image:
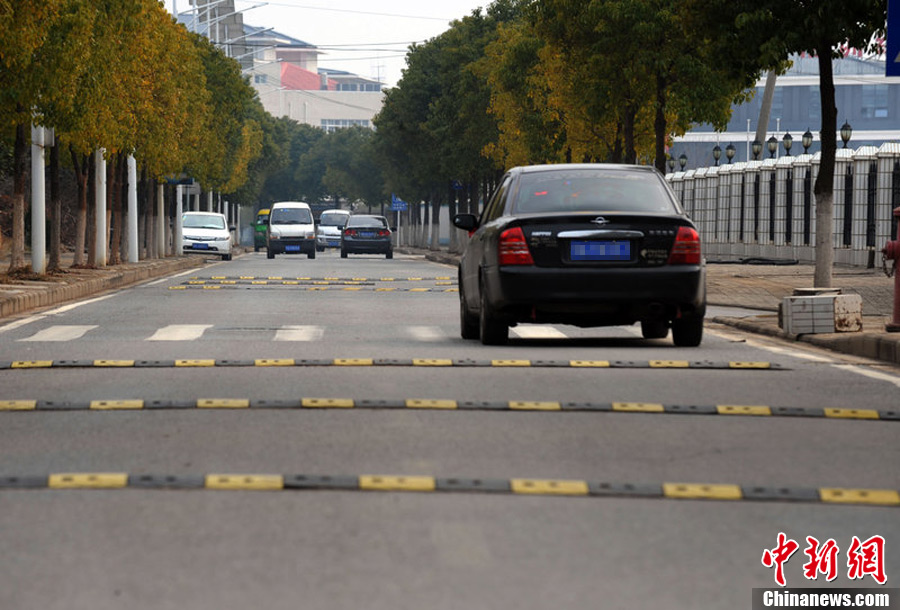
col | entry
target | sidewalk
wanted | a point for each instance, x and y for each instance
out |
(756, 287)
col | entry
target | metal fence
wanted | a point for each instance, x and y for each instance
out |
(767, 209)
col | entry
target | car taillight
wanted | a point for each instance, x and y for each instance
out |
(350, 232)
(686, 250)
(513, 249)
(383, 233)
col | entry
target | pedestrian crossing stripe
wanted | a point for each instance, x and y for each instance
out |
(642, 408)
(304, 335)
(418, 483)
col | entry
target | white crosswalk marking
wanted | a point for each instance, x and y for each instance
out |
(537, 332)
(179, 332)
(299, 333)
(426, 333)
(60, 333)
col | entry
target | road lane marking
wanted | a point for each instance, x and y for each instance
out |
(852, 368)
(537, 332)
(426, 333)
(179, 332)
(299, 333)
(60, 332)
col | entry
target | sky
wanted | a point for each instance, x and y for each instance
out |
(366, 37)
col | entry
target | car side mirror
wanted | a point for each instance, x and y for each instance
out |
(466, 222)
(232, 228)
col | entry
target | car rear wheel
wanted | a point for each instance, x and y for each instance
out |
(343, 253)
(468, 324)
(311, 254)
(493, 331)
(654, 329)
(269, 253)
(390, 254)
(687, 331)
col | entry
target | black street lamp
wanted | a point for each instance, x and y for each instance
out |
(671, 163)
(717, 154)
(846, 132)
(772, 143)
(788, 141)
(682, 160)
(729, 152)
(757, 149)
(807, 141)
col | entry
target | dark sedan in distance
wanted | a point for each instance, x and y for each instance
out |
(582, 244)
(366, 234)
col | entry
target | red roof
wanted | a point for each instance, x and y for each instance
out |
(295, 77)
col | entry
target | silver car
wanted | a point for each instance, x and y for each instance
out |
(328, 231)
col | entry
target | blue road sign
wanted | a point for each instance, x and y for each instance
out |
(892, 63)
(397, 204)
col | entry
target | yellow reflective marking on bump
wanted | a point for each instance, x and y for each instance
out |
(223, 403)
(114, 363)
(353, 362)
(275, 277)
(596, 364)
(305, 279)
(228, 282)
(882, 497)
(418, 290)
(360, 279)
(510, 362)
(387, 279)
(443, 277)
(638, 407)
(321, 283)
(385, 289)
(251, 482)
(32, 364)
(116, 405)
(18, 405)
(549, 487)
(248, 277)
(749, 365)
(743, 410)
(331, 279)
(416, 403)
(195, 363)
(414, 279)
(452, 290)
(260, 283)
(218, 277)
(290, 283)
(352, 288)
(328, 403)
(177, 287)
(852, 413)
(669, 364)
(196, 282)
(275, 362)
(432, 362)
(212, 288)
(523, 405)
(698, 491)
(396, 483)
(91, 480)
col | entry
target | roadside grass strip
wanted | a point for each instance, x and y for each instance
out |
(444, 404)
(671, 365)
(384, 483)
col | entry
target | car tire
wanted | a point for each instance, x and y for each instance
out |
(311, 254)
(492, 330)
(256, 248)
(343, 253)
(654, 329)
(390, 254)
(320, 248)
(687, 331)
(226, 257)
(269, 253)
(468, 323)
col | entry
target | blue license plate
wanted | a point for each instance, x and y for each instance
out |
(600, 250)
(292, 248)
(367, 234)
(200, 246)
(334, 242)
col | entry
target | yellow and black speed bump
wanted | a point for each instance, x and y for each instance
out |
(351, 280)
(716, 492)
(678, 365)
(424, 403)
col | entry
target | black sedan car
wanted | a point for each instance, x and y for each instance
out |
(366, 234)
(587, 245)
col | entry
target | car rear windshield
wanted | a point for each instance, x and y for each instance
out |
(196, 221)
(367, 221)
(290, 216)
(333, 220)
(592, 190)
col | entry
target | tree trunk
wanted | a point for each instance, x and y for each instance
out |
(55, 209)
(81, 176)
(824, 188)
(762, 125)
(436, 200)
(659, 124)
(17, 253)
(630, 152)
(454, 237)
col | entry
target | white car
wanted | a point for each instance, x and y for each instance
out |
(291, 229)
(328, 232)
(205, 233)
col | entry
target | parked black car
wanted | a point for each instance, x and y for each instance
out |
(587, 245)
(366, 234)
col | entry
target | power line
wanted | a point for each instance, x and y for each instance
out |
(344, 10)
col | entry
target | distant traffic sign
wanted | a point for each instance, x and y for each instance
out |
(397, 204)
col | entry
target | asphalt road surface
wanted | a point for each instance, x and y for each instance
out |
(297, 433)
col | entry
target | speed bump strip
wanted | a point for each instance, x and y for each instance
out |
(444, 362)
(638, 407)
(96, 480)
(522, 405)
(18, 405)
(852, 413)
(327, 403)
(418, 403)
(116, 405)
(418, 483)
(694, 491)
(743, 410)
(223, 403)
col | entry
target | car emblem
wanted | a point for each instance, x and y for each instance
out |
(600, 221)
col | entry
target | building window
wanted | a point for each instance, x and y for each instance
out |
(875, 101)
(331, 125)
(815, 104)
(260, 79)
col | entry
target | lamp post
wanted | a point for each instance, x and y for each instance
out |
(682, 161)
(729, 152)
(846, 132)
(807, 141)
(757, 149)
(717, 154)
(788, 141)
(671, 163)
(772, 144)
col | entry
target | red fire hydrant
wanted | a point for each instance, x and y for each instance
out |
(891, 251)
